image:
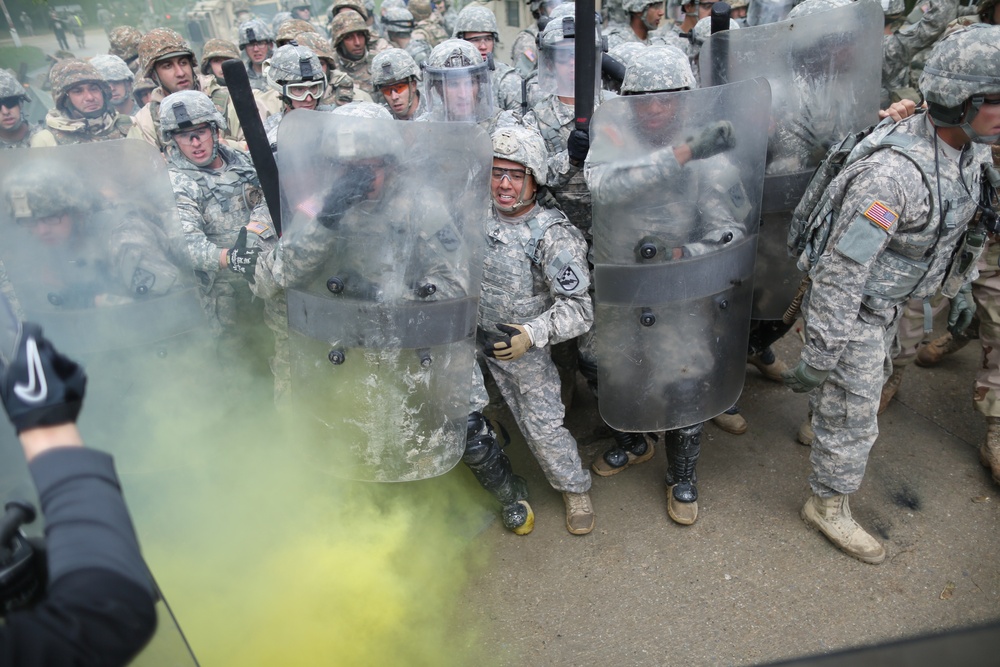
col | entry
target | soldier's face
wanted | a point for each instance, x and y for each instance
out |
(216, 65)
(705, 8)
(303, 13)
(257, 51)
(510, 183)
(176, 73)
(987, 121)
(198, 145)
(355, 44)
(10, 112)
(655, 112)
(52, 230)
(86, 98)
(120, 91)
(400, 96)
(483, 41)
(460, 97)
(654, 14)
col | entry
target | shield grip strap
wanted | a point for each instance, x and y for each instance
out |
(407, 325)
(672, 282)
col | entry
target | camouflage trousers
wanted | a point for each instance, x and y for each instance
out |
(844, 410)
(912, 325)
(986, 292)
(530, 387)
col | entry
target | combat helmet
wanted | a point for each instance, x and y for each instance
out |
(457, 83)
(140, 87)
(254, 30)
(894, 10)
(11, 87)
(391, 4)
(369, 133)
(124, 41)
(639, 7)
(278, 19)
(524, 146)
(160, 43)
(294, 72)
(703, 30)
(67, 73)
(476, 18)
(319, 45)
(45, 189)
(421, 9)
(814, 6)
(217, 48)
(343, 24)
(112, 68)
(393, 65)
(290, 28)
(186, 109)
(398, 21)
(556, 45)
(356, 5)
(658, 69)
(961, 70)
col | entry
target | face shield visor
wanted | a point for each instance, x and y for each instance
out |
(557, 68)
(463, 94)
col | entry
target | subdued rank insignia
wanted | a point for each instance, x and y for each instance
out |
(447, 238)
(881, 216)
(142, 281)
(568, 279)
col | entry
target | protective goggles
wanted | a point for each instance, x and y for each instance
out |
(300, 91)
(398, 88)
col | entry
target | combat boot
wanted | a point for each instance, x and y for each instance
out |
(832, 517)
(493, 471)
(989, 453)
(579, 513)
(890, 388)
(731, 421)
(683, 450)
(630, 449)
(769, 366)
(806, 435)
(932, 353)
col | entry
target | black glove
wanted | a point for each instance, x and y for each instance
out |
(578, 145)
(241, 259)
(716, 138)
(352, 187)
(512, 345)
(39, 386)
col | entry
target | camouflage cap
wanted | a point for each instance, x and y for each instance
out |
(421, 9)
(454, 53)
(124, 41)
(186, 109)
(46, 189)
(319, 45)
(254, 30)
(370, 133)
(658, 68)
(964, 64)
(292, 64)
(290, 28)
(112, 68)
(343, 24)
(67, 73)
(703, 29)
(398, 20)
(524, 146)
(217, 48)
(814, 6)
(476, 18)
(160, 43)
(10, 86)
(393, 65)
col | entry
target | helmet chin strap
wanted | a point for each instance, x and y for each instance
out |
(974, 105)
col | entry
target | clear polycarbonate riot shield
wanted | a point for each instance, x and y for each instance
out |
(674, 247)
(762, 12)
(384, 288)
(825, 72)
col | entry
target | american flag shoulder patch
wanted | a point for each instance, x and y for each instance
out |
(881, 215)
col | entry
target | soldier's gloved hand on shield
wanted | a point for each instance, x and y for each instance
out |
(963, 308)
(578, 145)
(38, 386)
(716, 138)
(352, 187)
(241, 259)
(803, 378)
(515, 342)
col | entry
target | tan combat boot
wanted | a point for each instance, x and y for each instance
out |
(806, 434)
(989, 453)
(890, 388)
(934, 351)
(769, 366)
(579, 513)
(731, 421)
(832, 517)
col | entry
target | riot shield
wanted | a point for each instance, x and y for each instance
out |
(825, 73)
(383, 304)
(674, 249)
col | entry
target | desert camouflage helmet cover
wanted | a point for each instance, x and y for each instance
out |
(10, 86)
(319, 45)
(124, 41)
(476, 18)
(421, 9)
(524, 146)
(393, 65)
(67, 73)
(355, 5)
(292, 64)
(185, 109)
(656, 69)
(290, 28)
(112, 68)
(217, 48)
(343, 24)
(160, 43)
(44, 190)
(254, 30)
(398, 20)
(813, 6)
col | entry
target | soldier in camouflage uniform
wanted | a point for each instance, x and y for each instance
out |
(83, 111)
(478, 25)
(535, 294)
(217, 190)
(644, 18)
(15, 130)
(257, 43)
(302, 11)
(349, 36)
(297, 78)
(398, 24)
(339, 86)
(376, 42)
(429, 28)
(902, 43)
(457, 85)
(124, 42)
(397, 79)
(120, 78)
(142, 90)
(524, 51)
(677, 35)
(290, 28)
(897, 217)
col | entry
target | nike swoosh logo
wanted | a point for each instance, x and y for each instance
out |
(37, 389)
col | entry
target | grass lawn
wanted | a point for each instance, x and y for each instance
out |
(11, 57)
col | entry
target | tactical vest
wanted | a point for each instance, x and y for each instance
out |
(574, 195)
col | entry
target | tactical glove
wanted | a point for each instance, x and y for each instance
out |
(962, 310)
(578, 145)
(515, 342)
(352, 187)
(38, 386)
(241, 259)
(714, 139)
(803, 378)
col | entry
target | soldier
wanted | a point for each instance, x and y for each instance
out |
(644, 18)
(142, 90)
(398, 24)
(339, 86)
(397, 79)
(376, 43)
(296, 77)
(677, 34)
(738, 11)
(429, 28)
(524, 52)
(302, 11)
(124, 41)
(15, 130)
(83, 111)
(457, 84)
(478, 25)
(256, 40)
(535, 293)
(290, 28)
(349, 35)
(902, 43)
(897, 216)
(120, 78)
